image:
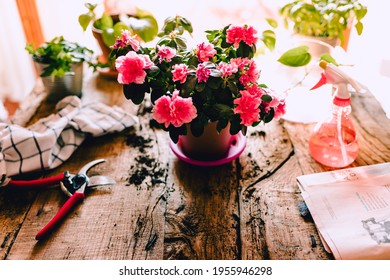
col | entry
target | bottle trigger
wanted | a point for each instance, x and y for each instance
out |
(321, 82)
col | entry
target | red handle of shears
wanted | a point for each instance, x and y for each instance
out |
(64, 210)
(44, 182)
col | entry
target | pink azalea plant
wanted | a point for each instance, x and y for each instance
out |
(215, 81)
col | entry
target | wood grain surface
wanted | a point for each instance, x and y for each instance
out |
(163, 208)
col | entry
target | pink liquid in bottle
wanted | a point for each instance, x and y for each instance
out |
(334, 142)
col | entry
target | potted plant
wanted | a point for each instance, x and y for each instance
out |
(326, 20)
(107, 27)
(60, 63)
(215, 84)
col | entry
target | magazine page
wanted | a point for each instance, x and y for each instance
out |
(351, 209)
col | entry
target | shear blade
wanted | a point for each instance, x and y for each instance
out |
(99, 180)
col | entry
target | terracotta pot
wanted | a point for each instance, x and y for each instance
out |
(97, 33)
(211, 145)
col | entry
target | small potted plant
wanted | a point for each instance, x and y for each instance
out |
(60, 63)
(107, 27)
(326, 20)
(212, 87)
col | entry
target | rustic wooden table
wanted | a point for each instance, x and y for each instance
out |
(162, 208)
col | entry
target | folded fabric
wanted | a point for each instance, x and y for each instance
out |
(52, 140)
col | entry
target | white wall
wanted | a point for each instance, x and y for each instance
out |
(58, 17)
(16, 70)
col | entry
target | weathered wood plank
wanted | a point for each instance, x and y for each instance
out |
(271, 224)
(202, 212)
(123, 221)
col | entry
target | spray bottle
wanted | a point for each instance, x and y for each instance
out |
(334, 141)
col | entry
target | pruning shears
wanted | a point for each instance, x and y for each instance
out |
(73, 185)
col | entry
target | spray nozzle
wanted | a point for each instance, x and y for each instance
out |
(333, 75)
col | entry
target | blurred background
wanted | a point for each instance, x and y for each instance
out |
(370, 52)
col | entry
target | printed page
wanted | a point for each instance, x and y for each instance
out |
(352, 212)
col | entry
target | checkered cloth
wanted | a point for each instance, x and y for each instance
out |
(52, 140)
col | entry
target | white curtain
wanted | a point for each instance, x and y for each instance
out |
(17, 75)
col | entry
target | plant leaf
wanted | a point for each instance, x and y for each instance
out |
(118, 27)
(328, 58)
(296, 57)
(85, 20)
(269, 39)
(146, 27)
(273, 23)
(108, 36)
(359, 27)
(135, 92)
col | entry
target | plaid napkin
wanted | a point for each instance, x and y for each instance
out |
(52, 140)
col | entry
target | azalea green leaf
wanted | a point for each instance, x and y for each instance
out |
(221, 124)
(273, 23)
(328, 58)
(197, 127)
(200, 87)
(213, 82)
(269, 116)
(266, 98)
(189, 85)
(175, 132)
(233, 87)
(180, 41)
(135, 92)
(235, 125)
(296, 57)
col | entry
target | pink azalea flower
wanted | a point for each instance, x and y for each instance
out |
(240, 62)
(255, 90)
(179, 73)
(202, 73)
(165, 53)
(247, 108)
(250, 36)
(277, 103)
(280, 110)
(227, 69)
(234, 35)
(250, 75)
(205, 51)
(127, 39)
(131, 68)
(174, 110)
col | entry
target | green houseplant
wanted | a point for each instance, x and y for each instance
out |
(107, 27)
(60, 63)
(324, 18)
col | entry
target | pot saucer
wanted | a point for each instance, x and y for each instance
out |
(237, 146)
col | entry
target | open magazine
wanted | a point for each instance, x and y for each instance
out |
(351, 209)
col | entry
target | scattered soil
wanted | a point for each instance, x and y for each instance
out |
(146, 168)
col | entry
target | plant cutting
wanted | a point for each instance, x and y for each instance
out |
(60, 63)
(58, 55)
(324, 18)
(107, 27)
(214, 82)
